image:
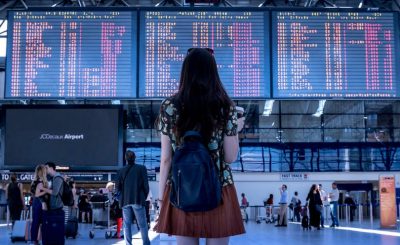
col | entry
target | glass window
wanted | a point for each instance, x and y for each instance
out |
(344, 107)
(344, 135)
(269, 135)
(148, 156)
(301, 135)
(300, 121)
(344, 121)
(299, 107)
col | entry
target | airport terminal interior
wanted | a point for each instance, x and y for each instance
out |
(82, 81)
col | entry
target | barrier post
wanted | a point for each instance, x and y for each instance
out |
(371, 214)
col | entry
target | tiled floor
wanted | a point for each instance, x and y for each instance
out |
(258, 234)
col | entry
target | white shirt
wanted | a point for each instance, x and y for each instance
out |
(324, 197)
(334, 195)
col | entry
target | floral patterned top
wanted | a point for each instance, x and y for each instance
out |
(166, 125)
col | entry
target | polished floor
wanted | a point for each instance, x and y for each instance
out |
(364, 233)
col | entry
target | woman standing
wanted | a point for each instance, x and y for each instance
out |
(315, 206)
(15, 199)
(200, 104)
(40, 200)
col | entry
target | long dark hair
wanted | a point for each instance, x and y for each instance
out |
(311, 192)
(202, 101)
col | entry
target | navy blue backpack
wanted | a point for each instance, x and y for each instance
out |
(195, 180)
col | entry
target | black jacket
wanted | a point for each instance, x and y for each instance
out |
(135, 188)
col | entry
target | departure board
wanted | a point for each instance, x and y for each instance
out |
(239, 40)
(335, 55)
(71, 54)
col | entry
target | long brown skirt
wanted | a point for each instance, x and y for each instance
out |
(223, 221)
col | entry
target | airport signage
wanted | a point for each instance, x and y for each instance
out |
(387, 196)
(295, 176)
(23, 177)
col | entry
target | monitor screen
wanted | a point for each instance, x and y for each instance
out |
(71, 54)
(80, 138)
(335, 54)
(239, 39)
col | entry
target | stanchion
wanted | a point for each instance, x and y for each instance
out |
(360, 212)
(8, 218)
(371, 214)
(347, 213)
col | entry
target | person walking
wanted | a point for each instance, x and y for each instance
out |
(133, 186)
(315, 206)
(15, 199)
(349, 202)
(283, 206)
(200, 104)
(296, 204)
(334, 198)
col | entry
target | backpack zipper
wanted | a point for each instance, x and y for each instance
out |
(179, 186)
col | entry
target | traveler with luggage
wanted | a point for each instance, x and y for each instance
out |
(15, 199)
(53, 226)
(295, 204)
(201, 119)
(315, 206)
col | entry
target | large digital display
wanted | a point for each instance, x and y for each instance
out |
(335, 54)
(239, 39)
(80, 138)
(71, 54)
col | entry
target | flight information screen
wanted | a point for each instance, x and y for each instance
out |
(239, 40)
(335, 54)
(71, 54)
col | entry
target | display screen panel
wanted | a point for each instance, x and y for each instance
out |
(80, 138)
(71, 54)
(239, 39)
(335, 54)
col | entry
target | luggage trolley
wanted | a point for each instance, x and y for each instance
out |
(269, 214)
(243, 211)
(101, 218)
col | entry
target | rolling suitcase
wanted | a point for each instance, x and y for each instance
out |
(20, 227)
(18, 230)
(71, 229)
(53, 228)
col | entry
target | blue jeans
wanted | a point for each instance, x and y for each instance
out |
(322, 215)
(334, 213)
(140, 214)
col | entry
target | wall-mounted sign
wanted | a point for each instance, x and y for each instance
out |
(85, 177)
(22, 177)
(295, 176)
(387, 196)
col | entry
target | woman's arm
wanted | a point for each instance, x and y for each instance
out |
(39, 190)
(165, 164)
(46, 190)
(231, 143)
(22, 194)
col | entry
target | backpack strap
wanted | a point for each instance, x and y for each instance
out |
(192, 133)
